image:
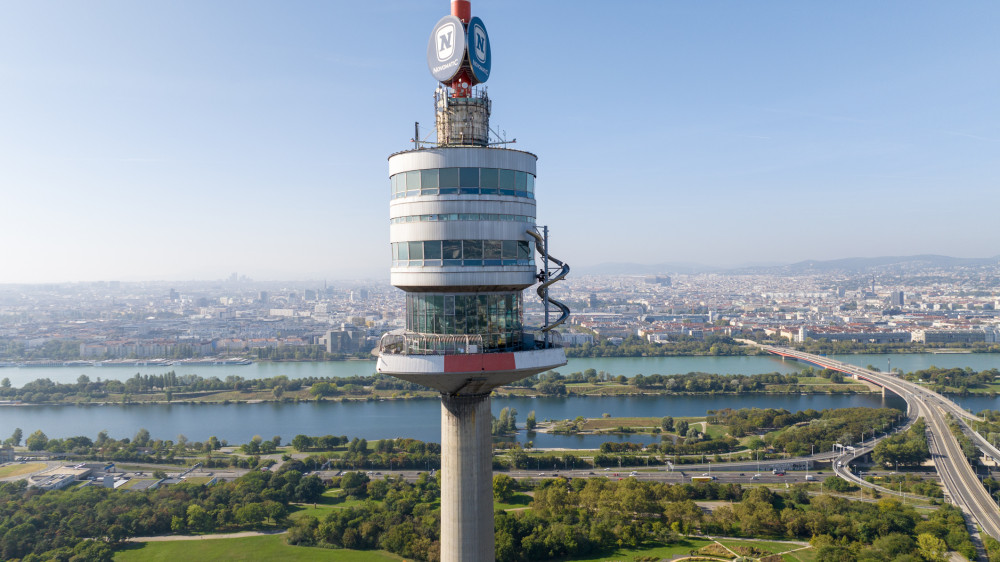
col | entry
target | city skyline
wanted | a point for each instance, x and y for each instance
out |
(189, 141)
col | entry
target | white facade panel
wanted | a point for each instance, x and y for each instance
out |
(460, 278)
(462, 157)
(442, 204)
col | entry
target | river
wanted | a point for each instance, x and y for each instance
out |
(628, 366)
(420, 419)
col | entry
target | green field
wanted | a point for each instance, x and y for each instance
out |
(657, 552)
(516, 502)
(245, 548)
(772, 547)
(19, 469)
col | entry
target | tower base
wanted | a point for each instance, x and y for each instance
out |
(466, 479)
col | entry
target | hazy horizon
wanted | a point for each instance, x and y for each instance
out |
(191, 140)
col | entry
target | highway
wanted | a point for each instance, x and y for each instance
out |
(957, 477)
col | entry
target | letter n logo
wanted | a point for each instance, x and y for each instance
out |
(446, 41)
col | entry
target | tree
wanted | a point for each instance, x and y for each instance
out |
(681, 427)
(755, 443)
(15, 438)
(529, 422)
(503, 487)
(667, 423)
(301, 442)
(5, 382)
(141, 438)
(274, 510)
(278, 391)
(198, 519)
(251, 513)
(37, 441)
(931, 548)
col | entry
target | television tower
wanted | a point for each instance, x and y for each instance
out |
(463, 236)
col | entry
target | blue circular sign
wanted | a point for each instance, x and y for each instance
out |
(446, 48)
(480, 59)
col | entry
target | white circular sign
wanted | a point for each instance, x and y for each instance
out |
(446, 48)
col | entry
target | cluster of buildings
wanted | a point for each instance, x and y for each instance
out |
(235, 318)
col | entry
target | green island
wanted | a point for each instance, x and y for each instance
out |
(194, 389)
(722, 436)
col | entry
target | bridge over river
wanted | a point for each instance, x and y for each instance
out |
(960, 482)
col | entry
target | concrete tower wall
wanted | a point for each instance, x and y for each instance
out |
(466, 479)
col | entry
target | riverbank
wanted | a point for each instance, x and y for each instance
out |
(805, 385)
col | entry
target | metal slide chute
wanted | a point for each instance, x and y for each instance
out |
(547, 277)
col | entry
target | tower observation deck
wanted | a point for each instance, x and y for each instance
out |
(464, 239)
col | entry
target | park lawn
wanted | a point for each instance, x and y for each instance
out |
(716, 431)
(20, 469)
(772, 547)
(320, 511)
(804, 555)
(612, 423)
(516, 502)
(271, 547)
(682, 547)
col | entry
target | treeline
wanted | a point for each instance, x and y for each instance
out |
(63, 350)
(589, 517)
(634, 346)
(968, 448)
(955, 380)
(401, 453)
(403, 520)
(301, 353)
(141, 448)
(554, 383)
(86, 524)
(843, 425)
(175, 386)
(751, 421)
(908, 448)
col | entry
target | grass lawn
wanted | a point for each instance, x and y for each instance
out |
(612, 423)
(518, 501)
(19, 469)
(669, 551)
(245, 548)
(716, 431)
(772, 547)
(805, 555)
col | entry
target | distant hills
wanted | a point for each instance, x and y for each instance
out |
(847, 265)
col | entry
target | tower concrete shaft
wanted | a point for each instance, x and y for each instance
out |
(466, 479)
(463, 240)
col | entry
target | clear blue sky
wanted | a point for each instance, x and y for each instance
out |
(188, 140)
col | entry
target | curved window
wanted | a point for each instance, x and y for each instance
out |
(497, 317)
(463, 181)
(473, 253)
(461, 217)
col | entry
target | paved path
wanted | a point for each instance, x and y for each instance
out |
(167, 538)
